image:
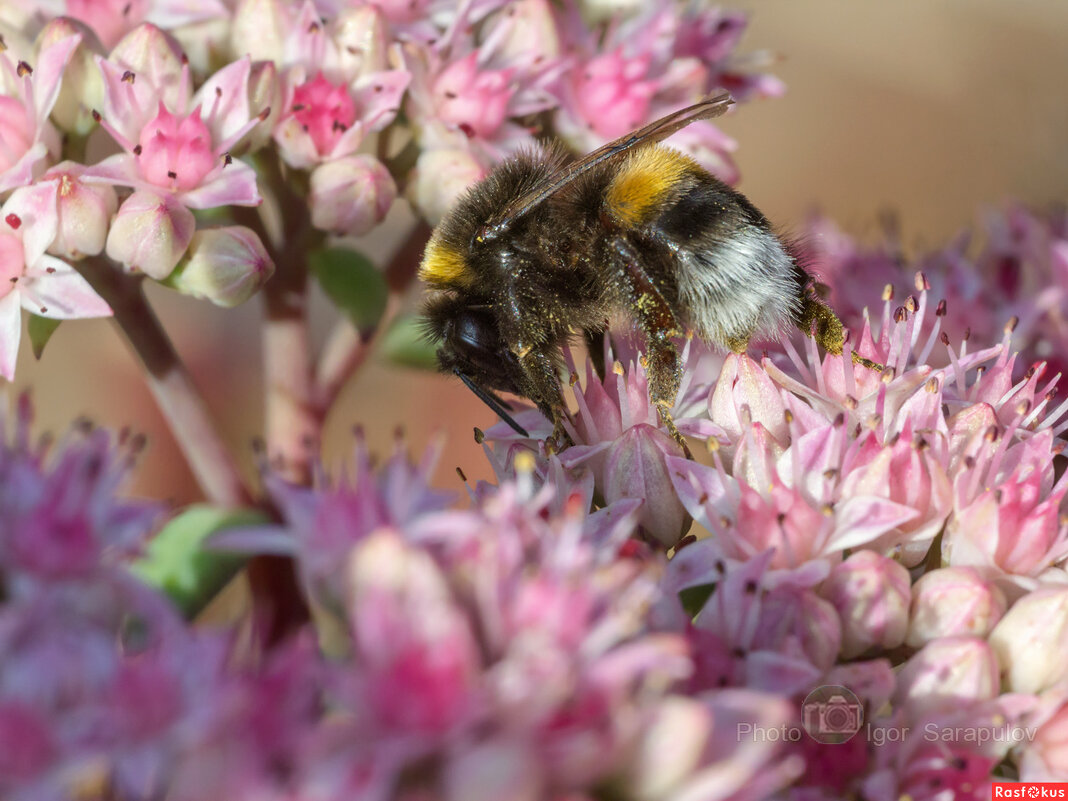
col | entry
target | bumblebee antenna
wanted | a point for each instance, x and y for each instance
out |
(494, 403)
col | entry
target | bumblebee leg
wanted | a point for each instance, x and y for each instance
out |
(737, 345)
(829, 333)
(658, 323)
(541, 383)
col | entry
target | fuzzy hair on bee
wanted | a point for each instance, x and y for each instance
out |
(542, 249)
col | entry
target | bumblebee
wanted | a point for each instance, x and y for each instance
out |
(541, 249)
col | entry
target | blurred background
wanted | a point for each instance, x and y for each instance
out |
(932, 109)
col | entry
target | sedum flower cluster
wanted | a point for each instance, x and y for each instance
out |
(857, 589)
(612, 621)
(197, 143)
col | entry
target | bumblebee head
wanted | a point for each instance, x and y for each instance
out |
(470, 342)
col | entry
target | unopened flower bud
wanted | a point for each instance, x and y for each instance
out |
(224, 265)
(636, 468)
(947, 673)
(350, 195)
(82, 89)
(155, 57)
(1046, 757)
(953, 601)
(671, 746)
(493, 770)
(439, 178)
(363, 41)
(150, 233)
(259, 29)
(871, 593)
(84, 212)
(1031, 641)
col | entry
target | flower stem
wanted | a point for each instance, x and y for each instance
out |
(292, 426)
(170, 383)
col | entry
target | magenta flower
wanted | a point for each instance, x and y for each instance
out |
(60, 516)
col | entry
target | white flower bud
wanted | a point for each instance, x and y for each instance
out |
(350, 196)
(84, 212)
(150, 233)
(953, 601)
(363, 41)
(1031, 641)
(223, 265)
(871, 593)
(259, 30)
(948, 673)
(439, 178)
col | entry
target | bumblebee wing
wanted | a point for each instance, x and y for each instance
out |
(653, 132)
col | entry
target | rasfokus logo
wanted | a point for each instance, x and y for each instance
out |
(1029, 790)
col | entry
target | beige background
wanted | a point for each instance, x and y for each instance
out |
(932, 109)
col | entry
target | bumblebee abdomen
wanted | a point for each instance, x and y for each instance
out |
(647, 183)
(735, 277)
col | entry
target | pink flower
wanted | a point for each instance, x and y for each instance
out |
(175, 143)
(648, 65)
(468, 93)
(27, 95)
(330, 103)
(32, 280)
(112, 19)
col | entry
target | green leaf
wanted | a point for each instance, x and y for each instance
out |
(693, 599)
(176, 563)
(406, 344)
(41, 330)
(351, 281)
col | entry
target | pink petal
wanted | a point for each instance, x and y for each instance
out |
(223, 100)
(349, 141)
(118, 169)
(295, 145)
(35, 206)
(65, 294)
(21, 174)
(379, 97)
(10, 332)
(860, 519)
(233, 185)
(127, 106)
(48, 75)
